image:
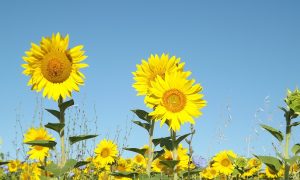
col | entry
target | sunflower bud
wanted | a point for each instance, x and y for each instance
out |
(293, 100)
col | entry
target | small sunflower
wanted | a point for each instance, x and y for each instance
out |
(37, 152)
(123, 165)
(140, 161)
(272, 174)
(106, 152)
(156, 66)
(176, 100)
(222, 162)
(53, 67)
(209, 173)
(182, 157)
(14, 165)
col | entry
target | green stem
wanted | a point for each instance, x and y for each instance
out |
(174, 152)
(150, 150)
(62, 133)
(288, 132)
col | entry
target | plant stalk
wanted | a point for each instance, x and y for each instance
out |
(150, 150)
(62, 133)
(288, 132)
(174, 152)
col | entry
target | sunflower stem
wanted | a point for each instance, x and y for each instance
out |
(62, 133)
(150, 151)
(288, 131)
(174, 152)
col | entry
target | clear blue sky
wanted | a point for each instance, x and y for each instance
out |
(244, 53)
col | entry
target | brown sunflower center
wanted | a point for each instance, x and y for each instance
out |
(56, 67)
(38, 148)
(174, 100)
(105, 152)
(225, 162)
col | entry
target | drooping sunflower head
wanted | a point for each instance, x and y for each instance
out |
(223, 163)
(33, 134)
(106, 152)
(176, 99)
(53, 67)
(156, 66)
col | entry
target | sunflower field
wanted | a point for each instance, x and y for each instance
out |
(53, 69)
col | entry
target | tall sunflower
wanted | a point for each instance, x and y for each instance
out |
(175, 99)
(156, 66)
(106, 152)
(222, 163)
(33, 134)
(53, 67)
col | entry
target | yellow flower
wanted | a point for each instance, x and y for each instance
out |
(140, 161)
(222, 163)
(106, 152)
(272, 174)
(30, 171)
(123, 165)
(182, 156)
(14, 165)
(53, 67)
(253, 166)
(294, 168)
(209, 173)
(175, 99)
(156, 66)
(33, 134)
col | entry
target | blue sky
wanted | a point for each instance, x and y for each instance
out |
(244, 53)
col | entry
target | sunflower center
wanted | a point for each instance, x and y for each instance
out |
(174, 100)
(56, 67)
(38, 148)
(225, 162)
(105, 152)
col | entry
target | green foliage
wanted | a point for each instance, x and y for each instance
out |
(65, 105)
(55, 126)
(143, 125)
(137, 150)
(125, 174)
(81, 163)
(169, 163)
(296, 149)
(164, 142)
(273, 163)
(54, 113)
(142, 115)
(293, 100)
(3, 162)
(59, 171)
(276, 133)
(43, 143)
(181, 138)
(75, 139)
(157, 154)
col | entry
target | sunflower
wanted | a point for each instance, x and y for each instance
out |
(37, 152)
(140, 160)
(53, 67)
(123, 165)
(176, 100)
(222, 163)
(253, 166)
(156, 66)
(106, 152)
(209, 173)
(14, 165)
(182, 157)
(272, 174)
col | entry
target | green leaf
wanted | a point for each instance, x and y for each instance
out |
(43, 143)
(169, 163)
(66, 104)
(55, 126)
(293, 160)
(69, 165)
(125, 174)
(157, 141)
(283, 109)
(296, 149)
(142, 114)
(273, 163)
(164, 142)
(3, 162)
(57, 171)
(54, 113)
(295, 124)
(276, 133)
(181, 138)
(192, 172)
(81, 163)
(143, 125)
(75, 139)
(137, 150)
(54, 169)
(157, 154)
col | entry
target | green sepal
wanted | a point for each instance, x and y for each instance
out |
(43, 143)
(75, 139)
(276, 133)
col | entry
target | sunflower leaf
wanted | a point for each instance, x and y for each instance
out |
(169, 163)
(143, 125)
(57, 171)
(125, 174)
(137, 150)
(157, 154)
(296, 149)
(276, 133)
(295, 124)
(142, 114)
(182, 138)
(4, 162)
(43, 143)
(66, 105)
(81, 163)
(192, 172)
(157, 141)
(70, 164)
(54, 113)
(55, 126)
(273, 163)
(75, 139)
